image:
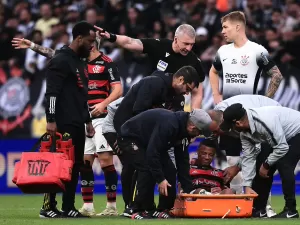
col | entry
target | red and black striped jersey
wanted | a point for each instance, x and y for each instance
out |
(207, 177)
(103, 74)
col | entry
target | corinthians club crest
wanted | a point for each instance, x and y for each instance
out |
(245, 60)
(14, 96)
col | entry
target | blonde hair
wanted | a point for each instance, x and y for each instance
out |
(236, 16)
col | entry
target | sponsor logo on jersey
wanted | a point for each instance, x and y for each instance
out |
(99, 62)
(161, 65)
(110, 71)
(264, 59)
(236, 78)
(233, 61)
(245, 60)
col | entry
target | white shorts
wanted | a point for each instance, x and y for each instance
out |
(98, 143)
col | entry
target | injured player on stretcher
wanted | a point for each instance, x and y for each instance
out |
(207, 179)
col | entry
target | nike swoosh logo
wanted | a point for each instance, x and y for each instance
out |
(224, 59)
(290, 216)
(262, 215)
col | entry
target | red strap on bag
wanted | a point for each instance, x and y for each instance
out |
(47, 170)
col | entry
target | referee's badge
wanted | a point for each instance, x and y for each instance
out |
(161, 65)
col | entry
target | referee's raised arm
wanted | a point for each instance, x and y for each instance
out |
(123, 41)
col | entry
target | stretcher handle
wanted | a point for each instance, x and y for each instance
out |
(228, 196)
(53, 146)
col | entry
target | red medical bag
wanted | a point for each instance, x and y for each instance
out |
(47, 170)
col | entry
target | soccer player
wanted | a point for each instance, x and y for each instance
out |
(104, 87)
(241, 63)
(67, 110)
(205, 176)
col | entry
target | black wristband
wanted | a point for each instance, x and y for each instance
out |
(266, 165)
(112, 38)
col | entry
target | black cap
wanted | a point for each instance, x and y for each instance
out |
(231, 114)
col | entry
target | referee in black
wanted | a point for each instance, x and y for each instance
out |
(166, 55)
(67, 110)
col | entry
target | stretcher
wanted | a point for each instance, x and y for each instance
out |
(213, 206)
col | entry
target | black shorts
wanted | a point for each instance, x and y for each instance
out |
(231, 145)
(111, 139)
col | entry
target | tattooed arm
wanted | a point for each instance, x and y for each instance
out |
(19, 43)
(47, 52)
(276, 78)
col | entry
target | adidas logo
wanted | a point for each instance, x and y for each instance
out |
(102, 147)
(73, 213)
(51, 214)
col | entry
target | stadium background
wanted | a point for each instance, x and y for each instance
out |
(274, 24)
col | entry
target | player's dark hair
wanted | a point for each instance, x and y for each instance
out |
(210, 143)
(82, 28)
(189, 74)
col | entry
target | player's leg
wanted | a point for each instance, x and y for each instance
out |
(88, 180)
(233, 147)
(87, 174)
(68, 198)
(105, 157)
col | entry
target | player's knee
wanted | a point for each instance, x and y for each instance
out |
(105, 159)
(90, 158)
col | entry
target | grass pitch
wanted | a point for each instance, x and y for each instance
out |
(24, 209)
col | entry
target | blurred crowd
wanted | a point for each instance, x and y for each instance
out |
(273, 23)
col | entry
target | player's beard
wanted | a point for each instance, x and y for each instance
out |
(83, 52)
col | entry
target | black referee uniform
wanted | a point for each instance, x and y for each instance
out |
(66, 104)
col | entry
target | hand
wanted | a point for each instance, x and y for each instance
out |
(263, 172)
(102, 32)
(19, 43)
(217, 98)
(230, 173)
(215, 190)
(90, 131)
(249, 191)
(163, 187)
(98, 109)
(51, 128)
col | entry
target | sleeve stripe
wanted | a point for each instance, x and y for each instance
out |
(52, 105)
